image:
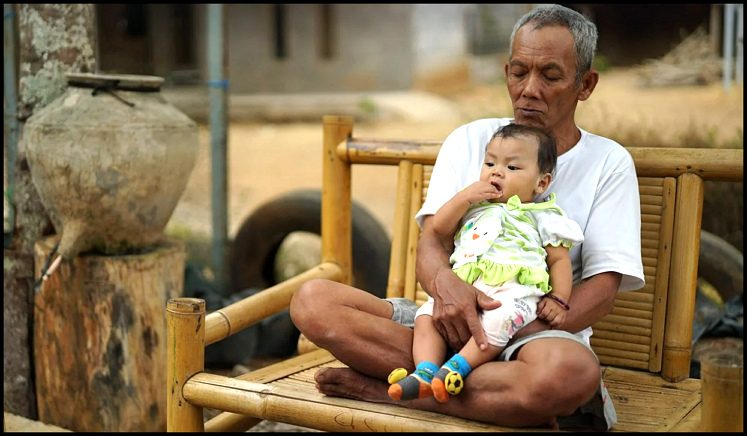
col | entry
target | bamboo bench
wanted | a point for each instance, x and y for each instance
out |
(644, 345)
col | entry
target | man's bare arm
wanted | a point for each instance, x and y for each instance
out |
(591, 300)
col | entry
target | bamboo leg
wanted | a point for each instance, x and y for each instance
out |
(723, 392)
(186, 357)
(337, 238)
(683, 277)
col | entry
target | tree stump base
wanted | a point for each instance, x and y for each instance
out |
(100, 338)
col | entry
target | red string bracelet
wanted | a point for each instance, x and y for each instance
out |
(561, 302)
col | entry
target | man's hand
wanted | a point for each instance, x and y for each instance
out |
(455, 310)
(551, 311)
(479, 191)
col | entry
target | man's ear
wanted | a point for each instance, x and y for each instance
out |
(543, 183)
(588, 83)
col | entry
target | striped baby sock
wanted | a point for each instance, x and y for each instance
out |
(449, 380)
(415, 385)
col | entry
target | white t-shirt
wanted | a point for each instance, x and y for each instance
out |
(595, 183)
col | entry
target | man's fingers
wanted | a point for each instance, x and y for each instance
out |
(477, 332)
(487, 303)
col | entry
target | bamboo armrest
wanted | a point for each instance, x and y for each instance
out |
(241, 314)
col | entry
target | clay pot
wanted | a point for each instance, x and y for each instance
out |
(110, 159)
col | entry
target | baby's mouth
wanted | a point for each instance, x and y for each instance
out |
(497, 187)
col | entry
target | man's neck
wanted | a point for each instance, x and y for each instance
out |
(567, 137)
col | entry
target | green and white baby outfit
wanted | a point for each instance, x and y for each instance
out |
(500, 250)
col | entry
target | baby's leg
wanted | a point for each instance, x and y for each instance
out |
(428, 347)
(518, 308)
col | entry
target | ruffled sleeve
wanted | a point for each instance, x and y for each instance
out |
(556, 229)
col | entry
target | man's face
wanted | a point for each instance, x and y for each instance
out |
(541, 76)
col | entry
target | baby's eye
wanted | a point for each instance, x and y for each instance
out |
(513, 167)
(489, 164)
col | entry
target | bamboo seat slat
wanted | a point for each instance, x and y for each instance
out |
(650, 190)
(621, 337)
(599, 343)
(654, 200)
(635, 296)
(621, 328)
(650, 218)
(629, 304)
(632, 313)
(650, 181)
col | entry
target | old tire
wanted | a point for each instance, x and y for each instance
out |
(721, 265)
(253, 251)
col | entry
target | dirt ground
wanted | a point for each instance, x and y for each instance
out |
(267, 160)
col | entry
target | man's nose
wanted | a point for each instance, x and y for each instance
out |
(531, 86)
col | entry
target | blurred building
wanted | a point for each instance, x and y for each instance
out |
(275, 48)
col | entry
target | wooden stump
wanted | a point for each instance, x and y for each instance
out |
(100, 338)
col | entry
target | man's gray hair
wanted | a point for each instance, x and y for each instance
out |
(583, 30)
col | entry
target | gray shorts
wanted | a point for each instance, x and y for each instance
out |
(598, 413)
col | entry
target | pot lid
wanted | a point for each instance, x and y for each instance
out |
(127, 82)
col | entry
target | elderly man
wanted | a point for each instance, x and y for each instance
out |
(543, 375)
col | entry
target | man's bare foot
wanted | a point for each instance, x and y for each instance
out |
(348, 383)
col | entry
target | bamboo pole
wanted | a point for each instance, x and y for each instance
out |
(396, 281)
(416, 192)
(662, 274)
(230, 423)
(240, 315)
(337, 245)
(682, 278)
(708, 163)
(723, 391)
(186, 357)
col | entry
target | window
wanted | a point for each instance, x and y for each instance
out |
(279, 13)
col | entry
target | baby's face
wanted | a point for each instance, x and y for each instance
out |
(511, 166)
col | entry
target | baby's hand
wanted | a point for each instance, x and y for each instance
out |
(480, 191)
(551, 311)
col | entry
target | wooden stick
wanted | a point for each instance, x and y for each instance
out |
(396, 281)
(240, 315)
(337, 236)
(683, 276)
(186, 357)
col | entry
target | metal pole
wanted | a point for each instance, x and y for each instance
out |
(10, 87)
(740, 47)
(728, 45)
(218, 86)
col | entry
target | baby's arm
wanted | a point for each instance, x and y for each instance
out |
(446, 220)
(561, 280)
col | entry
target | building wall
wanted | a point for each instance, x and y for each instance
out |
(372, 45)
(440, 42)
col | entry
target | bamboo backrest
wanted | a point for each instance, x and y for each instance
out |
(649, 329)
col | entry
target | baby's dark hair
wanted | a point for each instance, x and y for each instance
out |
(547, 155)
